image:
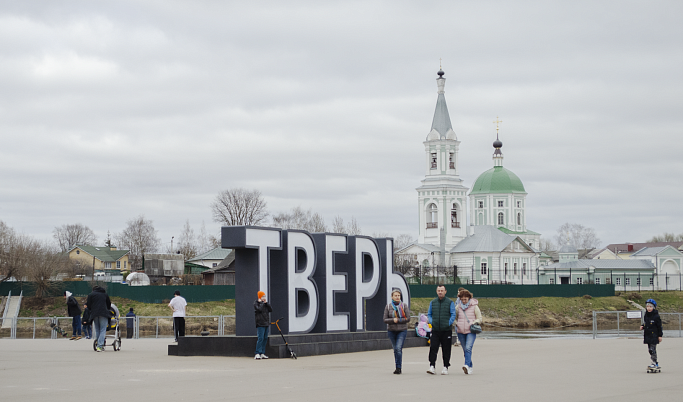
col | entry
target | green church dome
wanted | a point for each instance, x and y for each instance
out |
(498, 180)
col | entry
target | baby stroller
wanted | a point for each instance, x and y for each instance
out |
(113, 326)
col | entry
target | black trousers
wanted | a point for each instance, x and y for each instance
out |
(443, 339)
(178, 327)
(129, 332)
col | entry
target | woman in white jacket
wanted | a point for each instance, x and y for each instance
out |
(467, 313)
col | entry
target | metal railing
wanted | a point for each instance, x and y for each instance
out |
(143, 326)
(608, 324)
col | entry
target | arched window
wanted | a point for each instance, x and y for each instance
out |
(432, 217)
(501, 218)
(519, 218)
(454, 217)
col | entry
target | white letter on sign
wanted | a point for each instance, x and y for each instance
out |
(334, 283)
(263, 239)
(365, 289)
(303, 309)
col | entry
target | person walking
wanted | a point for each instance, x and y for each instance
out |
(262, 316)
(397, 316)
(130, 323)
(99, 304)
(75, 313)
(178, 305)
(87, 323)
(652, 331)
(468, 313)
(441, 315)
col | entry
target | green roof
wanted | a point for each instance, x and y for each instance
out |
(512, 232)
(498, 180)
(102, 253)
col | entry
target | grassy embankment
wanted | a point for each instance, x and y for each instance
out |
(542, 312)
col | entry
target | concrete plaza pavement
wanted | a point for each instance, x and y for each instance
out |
(504, 370)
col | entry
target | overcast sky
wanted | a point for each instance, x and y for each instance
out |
(109, 110)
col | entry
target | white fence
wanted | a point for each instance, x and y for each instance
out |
(609, 324)
(143, 326)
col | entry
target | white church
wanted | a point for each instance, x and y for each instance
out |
(493, 245)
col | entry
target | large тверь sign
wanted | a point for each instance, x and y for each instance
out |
(319, 282)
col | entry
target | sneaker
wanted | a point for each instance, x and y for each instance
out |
(72, 338)
(444, 371)
(464, 369)
(652, 366)
(257, 357)
(78, 337)
(100, 349)
(397, 371)
(431, 370)
(470, 370)
(264, 356)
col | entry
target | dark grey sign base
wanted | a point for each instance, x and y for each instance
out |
(302, 345)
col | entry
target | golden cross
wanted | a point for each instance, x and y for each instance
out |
(497, 121)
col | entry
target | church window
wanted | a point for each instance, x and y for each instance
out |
(78, 251)
(484, 270)
(454, 217)
(433, 160)
(628, 281)
(519, 204)
(652, 281)
(552, 281)
(579, 281)
(514, 269)
(638, 281)
(432, 217)
(451, 163)
(481, 204)
(524, 268)
(500, 204)
(597, 281)
(501, 218)
(505, 272)
(519, 219)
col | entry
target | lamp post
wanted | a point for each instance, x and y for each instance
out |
(172, 244)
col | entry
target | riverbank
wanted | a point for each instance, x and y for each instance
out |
(541, 312)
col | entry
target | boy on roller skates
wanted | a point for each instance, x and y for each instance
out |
(652, 331)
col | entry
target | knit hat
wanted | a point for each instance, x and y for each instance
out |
(261, 294)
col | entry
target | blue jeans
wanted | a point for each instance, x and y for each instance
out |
(467, 342)
(87, 331)
(76, 325)
(397, 338)
(262, 333)
(100, 324)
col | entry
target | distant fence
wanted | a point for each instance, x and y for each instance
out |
(609, 324)
(517, 291)
(145, 294)
(199, 294)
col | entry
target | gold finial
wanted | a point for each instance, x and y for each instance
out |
(440, 64)
(497, 121)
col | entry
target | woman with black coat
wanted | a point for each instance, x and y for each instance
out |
(652, 330)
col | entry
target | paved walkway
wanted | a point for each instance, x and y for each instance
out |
(505, 370)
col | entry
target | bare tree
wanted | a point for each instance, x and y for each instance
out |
(45, 264)
(203, 240)
(238, 206)
(15, 252)
(353, 228)
(338, 225)
(577, 235)
(68, 236)
(547, 245)
(187, 245)
(666, 237)
(404, 264)
(140, 238)
(298, 218)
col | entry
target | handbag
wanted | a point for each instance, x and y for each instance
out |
(474, 328)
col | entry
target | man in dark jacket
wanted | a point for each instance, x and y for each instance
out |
(262, 314)
(75, 313)
(99, 304)
(441, 315)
